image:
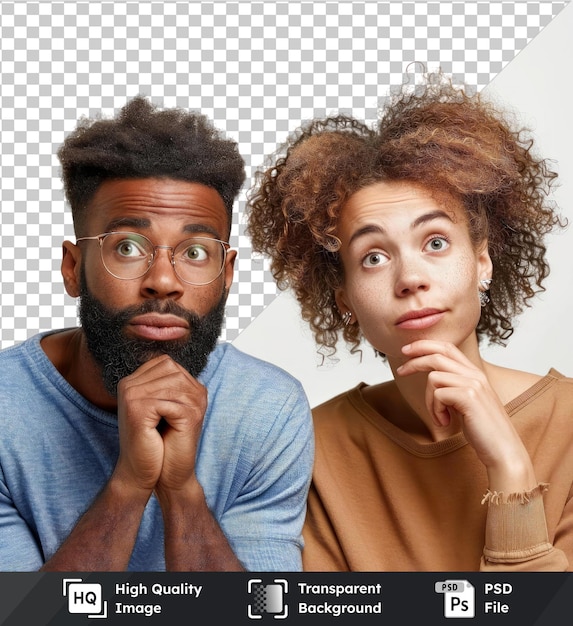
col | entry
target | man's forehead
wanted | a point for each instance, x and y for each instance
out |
(141, 202)
(158, 189)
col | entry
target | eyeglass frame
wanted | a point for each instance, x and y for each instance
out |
(101, 237)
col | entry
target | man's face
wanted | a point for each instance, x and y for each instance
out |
(127, 322)
(120, 354)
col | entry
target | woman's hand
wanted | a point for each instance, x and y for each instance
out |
(457, 389)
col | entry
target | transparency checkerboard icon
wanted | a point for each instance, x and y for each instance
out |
(267, 598)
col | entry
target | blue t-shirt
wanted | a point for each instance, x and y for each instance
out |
(57, 451)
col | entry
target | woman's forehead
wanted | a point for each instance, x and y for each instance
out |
(385, 199)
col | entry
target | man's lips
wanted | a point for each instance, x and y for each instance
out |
(420, 319)
(158, 326)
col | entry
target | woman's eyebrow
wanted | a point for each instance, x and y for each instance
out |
(369, 229)
(366, 230)
(428, 217)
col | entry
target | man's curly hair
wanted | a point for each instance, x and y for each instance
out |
(143, 141)
(457, 146)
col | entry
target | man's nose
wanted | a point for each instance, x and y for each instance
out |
(161, 279)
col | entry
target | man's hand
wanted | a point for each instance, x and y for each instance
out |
(160, 410)
(160, 413)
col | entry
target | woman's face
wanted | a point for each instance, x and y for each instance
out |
(410, 269)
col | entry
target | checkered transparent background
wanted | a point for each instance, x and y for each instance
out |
(257, 69)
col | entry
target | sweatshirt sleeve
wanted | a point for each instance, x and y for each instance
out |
(516, 537)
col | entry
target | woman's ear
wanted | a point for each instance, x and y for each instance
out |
(484, 262)
(71, 264)
(343, 307)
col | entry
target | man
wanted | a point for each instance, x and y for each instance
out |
(136, 441)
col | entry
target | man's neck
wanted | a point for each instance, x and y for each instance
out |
(68, 352)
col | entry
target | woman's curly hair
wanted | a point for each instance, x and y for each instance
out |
(143, 141)
(435, 135)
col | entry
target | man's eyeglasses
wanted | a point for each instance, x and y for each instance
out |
(197, 260)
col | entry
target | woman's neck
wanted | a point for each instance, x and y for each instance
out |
(414, 390)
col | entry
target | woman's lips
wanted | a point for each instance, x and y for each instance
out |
(418, 320)
(158, 327)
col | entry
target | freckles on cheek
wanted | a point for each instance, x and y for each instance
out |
(463, 277)
(462, 284)
(368, 304)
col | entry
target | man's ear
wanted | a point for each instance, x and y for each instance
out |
(229, 268)
(71, 264)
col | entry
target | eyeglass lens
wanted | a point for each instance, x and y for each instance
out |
(198, 260)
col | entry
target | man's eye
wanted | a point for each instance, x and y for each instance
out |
(129, 248)
(196, 253)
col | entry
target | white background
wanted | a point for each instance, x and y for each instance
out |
(537, 85)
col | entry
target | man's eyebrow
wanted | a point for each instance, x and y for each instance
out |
(422, 219)
(134, 222)
(141, 222)
(201, 229)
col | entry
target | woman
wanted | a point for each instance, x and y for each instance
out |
(424, 236)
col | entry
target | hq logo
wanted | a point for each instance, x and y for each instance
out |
(267, 599)
(85, 598)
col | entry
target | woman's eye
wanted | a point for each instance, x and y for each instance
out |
(374, 259)
(437, 244)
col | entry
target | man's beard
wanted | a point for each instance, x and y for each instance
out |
(120, 355)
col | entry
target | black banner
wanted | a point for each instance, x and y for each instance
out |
(528, 599)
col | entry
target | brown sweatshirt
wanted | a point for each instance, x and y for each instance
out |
(382, 501)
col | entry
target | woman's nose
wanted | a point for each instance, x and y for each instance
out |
(410, 279)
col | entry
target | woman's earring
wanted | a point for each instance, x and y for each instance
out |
(483, 292)
(346, 317)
